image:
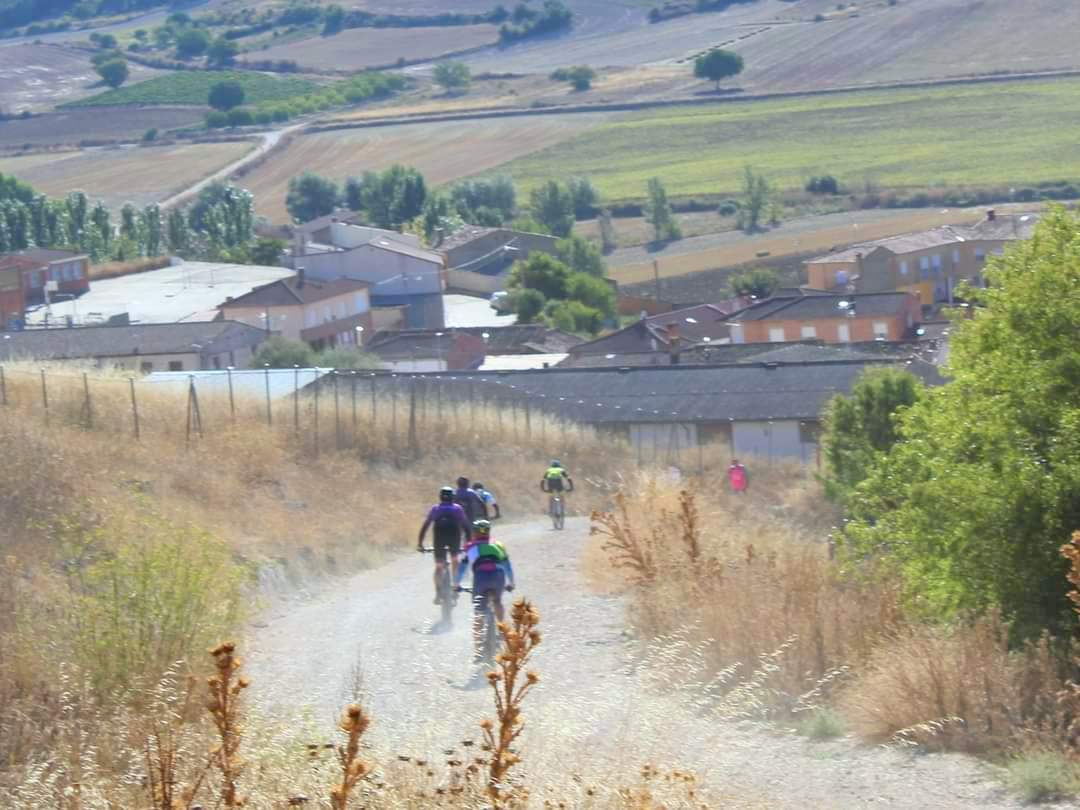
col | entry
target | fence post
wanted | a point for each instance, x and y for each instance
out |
(45, 396)
(3, 386)
(413, 446)
(86, 403)
(528, 418)
(266, 376)
(134, 407)
(472, 405)
(337, 413)
(354, 421)
(232, 398)
(317, 386)
(194, 415)
(374, 411)
(296, 399)
(393, 408)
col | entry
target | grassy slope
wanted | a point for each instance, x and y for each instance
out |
(1014, 133)
(192, 87)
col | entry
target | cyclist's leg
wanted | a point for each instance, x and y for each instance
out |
(440, 550)
(480, 598)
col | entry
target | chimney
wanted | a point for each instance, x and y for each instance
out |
(991, 214)
(301, 277)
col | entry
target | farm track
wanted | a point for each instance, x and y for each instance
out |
(597, 712)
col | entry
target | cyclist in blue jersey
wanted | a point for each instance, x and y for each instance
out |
(491, 570)
(450, 526)
(489, 500)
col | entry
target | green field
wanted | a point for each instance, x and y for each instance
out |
(1016, 133)
(193, 86)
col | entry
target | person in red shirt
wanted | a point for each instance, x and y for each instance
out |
(738, 477)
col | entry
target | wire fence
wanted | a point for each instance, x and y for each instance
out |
(384, 414)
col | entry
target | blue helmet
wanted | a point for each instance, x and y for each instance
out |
(556, 463)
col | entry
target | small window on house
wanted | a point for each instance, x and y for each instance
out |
(903, 268)
(956, 256)
(980, 254)
(341, 309)
(998, 251)
(54, 273)
(776, 334)
(935, 260)
(77, 271)
(176, 365)
(924, 268)
(328, 314)
(881, 329)
(146, 366)
(843, 333)
(361, 303)
(809, 332)
(809, 432)
(309, 318)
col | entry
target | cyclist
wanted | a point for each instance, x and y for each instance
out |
(467, 499)
(492, 574)
(553, 479)
(450, 524)
(489, 500)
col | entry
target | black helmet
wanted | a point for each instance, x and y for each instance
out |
(477, 485)
(446, 494)
(463, 481)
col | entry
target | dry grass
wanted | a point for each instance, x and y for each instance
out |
(117, 269)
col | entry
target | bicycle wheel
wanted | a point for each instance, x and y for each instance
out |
(559, 518)
(446, 596)
(491, 636)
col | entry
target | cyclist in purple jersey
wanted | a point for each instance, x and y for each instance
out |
(449, 523)
(467, 499)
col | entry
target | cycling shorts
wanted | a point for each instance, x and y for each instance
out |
(445, 547)
(487, 584)
(554, 484)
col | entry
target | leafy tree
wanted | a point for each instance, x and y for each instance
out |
(267, 252)
(333, 20)
(973, 502)
(593, 292)
(226, 95)
(658, 213)
(862, 425)
(439, 218)
(129, 224)
(452, 76)
(585, 196)
(717, 65)
(240, 118)
(150, 229)
(311, 196)
(392, 197)
(552, 205)
(756, 193)
(114, 72)
(826, 184)
(608, 239)
(540, 272)
(755, 283)
(101, 228)
(580, 77)
(279, 352)
(222, 52)
(527, 224)
(527, 304)
(490, 201)
(106, 42)
(581, 256)
(192, 42)
(574, 316)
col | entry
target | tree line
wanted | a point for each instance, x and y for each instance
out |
(218, 226)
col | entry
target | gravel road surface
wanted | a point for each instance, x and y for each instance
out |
(597, 710)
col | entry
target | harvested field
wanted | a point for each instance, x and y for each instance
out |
(35, 77)
(360, 48)
(442, 151)
(139, 175)
(808, 235)
(74, 126)
(943, 137)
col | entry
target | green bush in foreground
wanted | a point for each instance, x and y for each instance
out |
(1042, 776)
(822, 724)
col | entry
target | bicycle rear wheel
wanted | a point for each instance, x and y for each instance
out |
(491, 637)
(558, 516)
(446, 596)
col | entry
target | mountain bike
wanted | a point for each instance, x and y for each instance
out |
(444, 591)
(486, 643)
(557, 510)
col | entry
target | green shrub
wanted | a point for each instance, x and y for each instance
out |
(822, 724)
(263, 117)
(1041, 776)
(150, 135)
(146, 594)
(216, 119)
(240, 118)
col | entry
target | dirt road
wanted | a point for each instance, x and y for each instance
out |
(597, 710)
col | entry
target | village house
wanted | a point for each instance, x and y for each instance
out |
(515, 346)
(12, 294)
(668, 332)
(831, 318)
(142, 348)
(321, 313)
(929, 264)
(479, 259)
(400, 270)
(58, 274)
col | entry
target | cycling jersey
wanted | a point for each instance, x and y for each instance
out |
(473, 504)
(554, 478)
(448, 524)
(485, 557)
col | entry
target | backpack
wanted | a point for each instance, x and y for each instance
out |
(489, 556)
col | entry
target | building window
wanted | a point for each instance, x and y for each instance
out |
(980, 254)
(809, 332)
(361, 303)
(935, 260)
(924, 268)
(146, 366)
(843, 333)
(903, 268)
(956, 256)
(776, 334)
(328, 314)
(881, 329)
(176, 365)
(309, 318)
(77, 271)
(342, 311)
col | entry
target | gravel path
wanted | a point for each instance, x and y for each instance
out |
(596, 709)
